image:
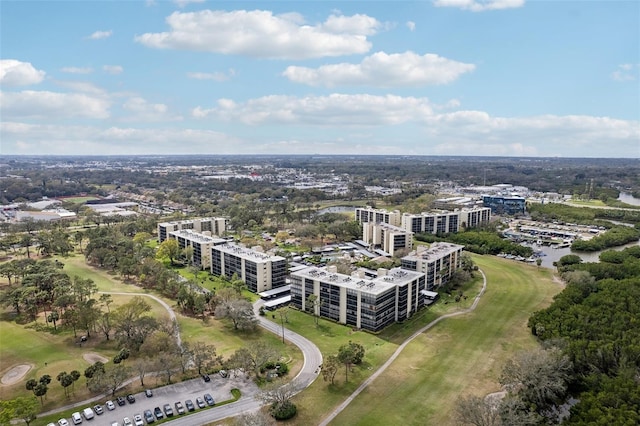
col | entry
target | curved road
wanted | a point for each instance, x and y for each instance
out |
(400, 349)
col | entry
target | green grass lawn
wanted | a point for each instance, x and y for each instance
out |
(79, 200)
(460, 356)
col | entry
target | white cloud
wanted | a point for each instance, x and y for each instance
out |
(216, 76)
(411, 25)
(138, 109)
(479, 5)
(100, 35)
(112, 69)
(626, 72)
(383, 70)
(22, 138)
(52, 105)
(260, 33)
(183, 3)
(77, 70)
(83, 87)
(335, 109)
(18, 73)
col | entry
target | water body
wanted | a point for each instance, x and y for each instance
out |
(629, 199)
(553, 254)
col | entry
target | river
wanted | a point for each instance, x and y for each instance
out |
(553, 254)
(629, 199)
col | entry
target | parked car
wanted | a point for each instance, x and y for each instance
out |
(148, 416)
(110, 405)
(76, 418)
(115, 424)
(137, 420)
(121, 401)
(88, 413)
(158, 413)
(223, 373)
(200, 402)
(98, 409)
(179, 407)
(189, 405)
(127, 422)
(168, 411)
(63, 422)
(206, 377)
(131, 399)
(208, 398)
(148, 393)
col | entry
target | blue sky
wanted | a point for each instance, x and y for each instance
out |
(442, 77)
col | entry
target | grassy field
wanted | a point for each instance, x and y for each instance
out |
(460, 356)
(78, 200)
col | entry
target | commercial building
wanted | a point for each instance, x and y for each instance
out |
(367, 303)
(206, 225)
(200, 243)
(260, 271)
(504, 205)
(387, 237)
(438, 262)
(444, 222)
(369, 214)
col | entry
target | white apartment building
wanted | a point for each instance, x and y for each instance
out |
(260, 271)
(369, 214)
(367, 303)
(387, 237)
(438, 262)
(445, 222)
(206, 225)
(200, 243)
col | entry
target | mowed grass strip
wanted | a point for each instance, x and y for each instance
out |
(460, 356)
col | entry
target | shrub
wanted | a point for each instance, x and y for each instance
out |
(283, 411)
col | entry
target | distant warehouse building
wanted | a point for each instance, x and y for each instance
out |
(504, 205)
(207, 225)
(367, 303)
(260, 271)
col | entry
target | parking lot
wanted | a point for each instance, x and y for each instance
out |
(218, 387)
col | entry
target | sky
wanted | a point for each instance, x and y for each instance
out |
(518, 78)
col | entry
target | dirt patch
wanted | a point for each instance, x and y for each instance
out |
(15, 374)
(495, 397)
(92, 358)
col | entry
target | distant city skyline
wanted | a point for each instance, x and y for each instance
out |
(444, 77)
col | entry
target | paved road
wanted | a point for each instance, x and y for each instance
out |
(395, 355)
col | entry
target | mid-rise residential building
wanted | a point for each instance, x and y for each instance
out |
(505, 205)
(369, 214)
(445, 222)
(260, 271)
(388, 238)
(370, 304)
(207, 225)
(438, 262)
(200, 243)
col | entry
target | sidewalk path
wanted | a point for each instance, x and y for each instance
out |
(395, 355)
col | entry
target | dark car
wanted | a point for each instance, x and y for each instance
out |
(200, 402)
(158, 412)
(168, 411)
(208, 398)
(131, 399)
(148, 393)
(189, 404)
(179, 407)
(120, 400)
(148, 416)
(206, 378)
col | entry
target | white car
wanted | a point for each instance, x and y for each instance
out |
(63, 422)
(110, 405)
(137, 420)
(127, 422)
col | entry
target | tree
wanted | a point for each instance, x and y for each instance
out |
(169, 248)
(330, 368)
(26, 408)
(40, 390)
(252, 357)
(279, 397)
(131, 324)
(65, 380)
(349, 354)
(240, 312)
(257, 418)
(313, 305)
(142, 366)
(89, 372)
(75, 375)
(477, 411)
(204, 356)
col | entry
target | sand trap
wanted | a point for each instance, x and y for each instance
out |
(15, 374)
(92, 358)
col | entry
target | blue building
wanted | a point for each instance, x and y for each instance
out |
(504, 205)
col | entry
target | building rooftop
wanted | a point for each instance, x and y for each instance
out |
(435, 251)
(192, 235)
(247, 253)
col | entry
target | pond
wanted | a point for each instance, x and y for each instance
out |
(337, 209)
(554, 254)
(629, 199)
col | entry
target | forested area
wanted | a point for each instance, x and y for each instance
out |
(480, 242)
(581, 215)
(594, 321)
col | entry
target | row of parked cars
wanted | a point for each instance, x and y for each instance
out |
(150, 416)
(90, 412)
